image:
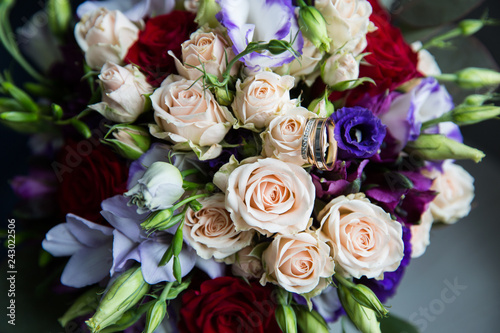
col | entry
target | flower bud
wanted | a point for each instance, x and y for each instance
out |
(310, 321)
(59, 14)
(439, 147)
(322, 107)
(313, 27)
(155, 316)
(340, 71)
(477, 99)
(285, 316)
(470, 26)
(363, 318)
(159, 220)
(159, 188)
(125, 292)
(467, 115)
(224, 97)
(278, 46)
(472, 78)
(207, 9)
(86, 303)
(130, 141)
(366, 297)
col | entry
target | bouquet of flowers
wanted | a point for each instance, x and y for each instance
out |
(237, 165)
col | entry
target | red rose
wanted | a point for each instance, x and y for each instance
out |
(391, 60)
(228, 305)
(88, 173)
(162, 34)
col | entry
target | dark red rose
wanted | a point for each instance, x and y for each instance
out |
(228, 305)
(89, 172)
(162, 34)
(391, 60)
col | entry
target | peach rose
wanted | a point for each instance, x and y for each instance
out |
(420, 235)
(347, 23)
(283, 137)
(260, 98)
(105, 36)
(270, 196)
(189, 116)
(206, 49)
(247, 265)
(298, 263)
(455, 188)
(364, 240)
(211, 232)
(123, 90)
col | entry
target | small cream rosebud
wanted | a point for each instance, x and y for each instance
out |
(439, 147)
(340, 71)
(125, 292)
(322, 107)
(363, 318)
(313, 27)
(159, 188)
(129, 141)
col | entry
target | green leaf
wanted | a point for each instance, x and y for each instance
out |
(177, 269)
(286, 318)
(19, 117)
(393, 324)
(167, 256)
(426, 13)
(23, 98)
(82, 128)
(178, 240)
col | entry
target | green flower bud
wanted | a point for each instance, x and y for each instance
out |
(310, 321)
(477, 99)
(86, 303)
(285, 316)
(366, 297)
(469, 27)
(467, 115)
(278, 46)
(158, 220)
(59, 13)
(206, 13)
(472, 78)
(224, 97)
(322, 107)
(363, 318)
(155, 316)
(125, 292)
(313, 26)
(19, 117)
(439, 147)
(130, 141)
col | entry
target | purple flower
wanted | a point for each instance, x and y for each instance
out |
(378, 104)
(358, 132)
(260, 20)
(88, 244)
(386, 287)
(135, 10)
(341, 180)
(409, 111)
(38, 183)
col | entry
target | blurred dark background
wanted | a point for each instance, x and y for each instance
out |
(466, 251)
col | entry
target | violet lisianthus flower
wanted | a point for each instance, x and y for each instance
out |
(135, 10)
(261, 21)
(358, 132)
(89, 245)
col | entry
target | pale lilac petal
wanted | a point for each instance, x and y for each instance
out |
(124, 249)
(87, 266)
(123, 217)
(151, 253)
(157, 153)
(88, 233)
(211, 267)
(135, 10)
(60, 242)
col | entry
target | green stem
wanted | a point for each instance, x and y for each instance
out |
(446, 77)
(344, 281)
(441, 38)
(448, 116)
(188, 172)
(188, 200)
(166, 290)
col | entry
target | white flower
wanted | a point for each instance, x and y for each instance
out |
(159, 188)
(347, 23)
(455, 188)
(427, 64)
(211, 232)
(364, 240)
(260, 98)
(339, 68)
(420, 235)
(105, 36)
(123, 90)
(298, 263)
(189, 116)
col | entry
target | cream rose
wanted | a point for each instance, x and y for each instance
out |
(307, 69)
(261, 97)
(105, 36)
(364, 240)
(455, 188)
(189, 116)
(283, 137)
(298, 263)
(211, 232)
(420, 235)
(123, 90)
(207, 50)
(270, 196)
(347, 23)
(247, 265)
(340, 68)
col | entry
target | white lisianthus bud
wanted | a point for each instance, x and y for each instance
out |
(105, 36)
(123, 90)
(340, 68)
(158, 189)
